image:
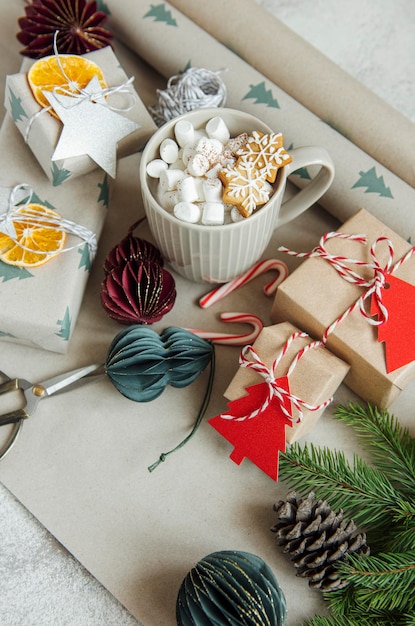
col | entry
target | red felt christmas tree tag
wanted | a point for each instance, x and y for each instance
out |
(258, 438)
(398, 331)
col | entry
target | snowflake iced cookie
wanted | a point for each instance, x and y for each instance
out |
(244, 186)
(266, 152)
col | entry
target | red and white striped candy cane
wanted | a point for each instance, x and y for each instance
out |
(259, 268)
(232, 339)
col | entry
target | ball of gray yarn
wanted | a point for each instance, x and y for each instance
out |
(196, 88)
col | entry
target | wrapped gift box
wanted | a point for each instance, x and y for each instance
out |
(39, 306)
(314, 379)
(315, 295)
(43, 131)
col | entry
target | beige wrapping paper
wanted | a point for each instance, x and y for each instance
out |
(80, 464)
(315, 295)
(314, 379)
(311, 78)
(39, 306)
(43, 131)
(170, 42)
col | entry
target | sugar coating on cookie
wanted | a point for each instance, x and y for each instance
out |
(266, 152)
(244, 186)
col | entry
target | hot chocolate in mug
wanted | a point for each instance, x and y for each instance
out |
(219, 253)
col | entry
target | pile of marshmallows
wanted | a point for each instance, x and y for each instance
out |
(206, 177)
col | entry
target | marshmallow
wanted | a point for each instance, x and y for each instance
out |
(213, 214)
(184, 133)
(169, 150)
(187, 189)
(198, 164)
(188, 151)
(170, 178)
(217, 129)
(187, 212)
(168, 199)
(236, 216)
(213, 190)
(155, 167)
(199, 189)
(210, 148)
(178, 165)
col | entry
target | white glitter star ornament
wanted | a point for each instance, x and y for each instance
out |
(89, 128)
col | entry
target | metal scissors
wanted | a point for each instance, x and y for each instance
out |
(35, 392)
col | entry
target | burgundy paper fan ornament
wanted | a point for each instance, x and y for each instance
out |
(79, 23)
(138, 292)
(132, 248)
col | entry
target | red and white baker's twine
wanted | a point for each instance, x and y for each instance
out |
(374, 285)
(249, 358)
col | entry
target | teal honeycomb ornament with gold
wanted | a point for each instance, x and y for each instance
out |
(233, 588)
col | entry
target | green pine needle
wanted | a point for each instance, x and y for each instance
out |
(379, 497)
(392, 447)
(362, 491)
(381, 583)
(359, 620)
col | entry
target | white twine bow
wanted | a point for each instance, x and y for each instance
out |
(374, 285)
(249, 358)
(19, 212)
(98, 94)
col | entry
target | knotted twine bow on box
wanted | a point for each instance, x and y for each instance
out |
(17, 209)
(264, 416)
(330, 305)
(95, 130)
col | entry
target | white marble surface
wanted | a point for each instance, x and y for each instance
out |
(40, 583)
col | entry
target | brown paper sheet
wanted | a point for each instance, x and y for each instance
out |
(360, 180)
(311, 78)
(80, 465)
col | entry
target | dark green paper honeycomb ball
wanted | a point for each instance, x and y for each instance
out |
(230, 588)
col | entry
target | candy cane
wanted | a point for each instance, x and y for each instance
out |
(259, 268)
(232, 339)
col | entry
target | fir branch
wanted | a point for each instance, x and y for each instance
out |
(392, 446)
(363, 492)
(359, 620)
(381, 583)
(402, 539)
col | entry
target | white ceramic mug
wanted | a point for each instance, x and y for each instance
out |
(216, 254)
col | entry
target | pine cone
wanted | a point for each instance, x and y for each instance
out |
(316, 537)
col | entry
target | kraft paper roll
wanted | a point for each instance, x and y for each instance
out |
(170, 42)
(310, 77)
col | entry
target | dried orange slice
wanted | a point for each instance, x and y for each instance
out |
(46, 75)
(36, 230)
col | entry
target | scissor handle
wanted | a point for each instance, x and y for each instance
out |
(12, 439)
(11, 384)
(13, 417)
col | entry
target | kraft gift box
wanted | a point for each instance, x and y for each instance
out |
(315, 295)
(314, 379)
